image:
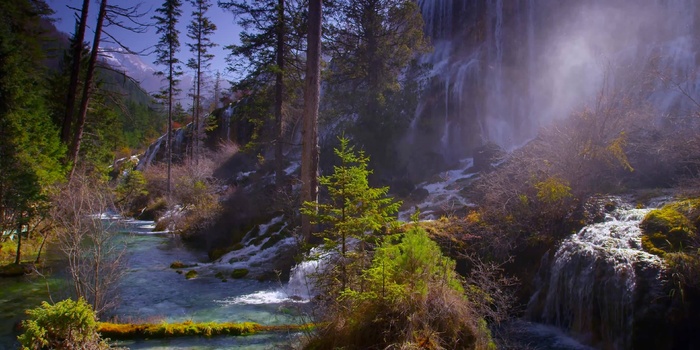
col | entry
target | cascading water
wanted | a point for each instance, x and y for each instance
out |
(599, 283)
(502, 68)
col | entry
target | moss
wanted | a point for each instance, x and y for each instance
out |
(154, 209)
(239, 273)
(191, 274)
(188, 328)
(180, 265)
(670, 228)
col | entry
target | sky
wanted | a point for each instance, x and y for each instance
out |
(226, 33)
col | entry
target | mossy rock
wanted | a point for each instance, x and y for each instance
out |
(161, 225)
(239, 273)
(217, 253)
(152, 211)
(191, 274)
(669, 228)
(177, 265)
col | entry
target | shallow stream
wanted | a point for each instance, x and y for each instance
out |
(153, 292)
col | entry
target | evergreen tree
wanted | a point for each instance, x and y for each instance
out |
(168, 45)
(199, 30)
(269, 56)
(29, 144)
(354, 210)
(373, 45)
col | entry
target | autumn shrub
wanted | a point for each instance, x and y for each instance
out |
(194, 197)
(67, 324)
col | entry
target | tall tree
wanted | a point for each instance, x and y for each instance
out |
(269, 54)
(87, 87)
(373, 45)
(168, 45)
(312, 93)
(199, 30)
(77, 46)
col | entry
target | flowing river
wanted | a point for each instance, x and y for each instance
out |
(151, 291)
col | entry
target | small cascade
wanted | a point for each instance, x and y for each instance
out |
(260, 246)
(226, 123)
(299, 289)
(301, 282)
(443, 193)
(599, 282)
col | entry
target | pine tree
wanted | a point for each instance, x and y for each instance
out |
(373, 47)
(199, 30)
(354, 210)
(269, 55)
(168, 45)
(29, 145)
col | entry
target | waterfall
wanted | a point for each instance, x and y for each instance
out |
(226, 123)
(534, 61)
(599, 282)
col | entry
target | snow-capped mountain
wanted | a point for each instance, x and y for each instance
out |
(145, 73)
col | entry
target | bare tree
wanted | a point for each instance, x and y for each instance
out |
(94, 252)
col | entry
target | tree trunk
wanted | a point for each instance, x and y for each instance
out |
(80, 126)
(309, 147)
(18, 257)
(74, 74)
(170, 119)
(279, 95)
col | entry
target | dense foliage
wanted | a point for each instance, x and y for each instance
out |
(67, 324)
(374, 79)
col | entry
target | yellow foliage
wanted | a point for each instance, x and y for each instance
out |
(553, 190)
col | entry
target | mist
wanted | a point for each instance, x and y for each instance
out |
(503, 69)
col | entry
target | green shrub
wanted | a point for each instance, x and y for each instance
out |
(411, 298)
(67, 324)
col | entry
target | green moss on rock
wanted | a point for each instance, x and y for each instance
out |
(239, 273)
(671, 227)
(191, 274)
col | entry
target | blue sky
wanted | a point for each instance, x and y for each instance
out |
(226, 33)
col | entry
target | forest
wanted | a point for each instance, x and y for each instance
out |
(366, 174)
